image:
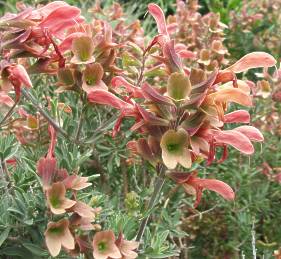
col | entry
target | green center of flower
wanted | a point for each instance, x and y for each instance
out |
(90, 81)
(56, 230)
(55, 201)
(173, 147)
(84, 56)
(102, 246)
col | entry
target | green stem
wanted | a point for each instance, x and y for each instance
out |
(9, 113)
(29, 97)
(159, 182)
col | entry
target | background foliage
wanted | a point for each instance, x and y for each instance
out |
(217, 229)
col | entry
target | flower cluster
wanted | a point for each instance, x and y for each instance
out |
(182, 116)
(262, 18)
(174, 87)
(57, 183)
(105, 245)
(200, 38)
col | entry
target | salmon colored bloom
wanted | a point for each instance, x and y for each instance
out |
(104, 245)
(6, 99)
(14, 76)
(83, 49)
(179, 86)
(92, 78)
(47, 166)
(84, 210)
(127, 247)
(76, 182)
(58, 235)
(174, 149)
(195, 186)
(56, 199)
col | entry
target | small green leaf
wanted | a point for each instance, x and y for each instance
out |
(34, 249)
(4, 235)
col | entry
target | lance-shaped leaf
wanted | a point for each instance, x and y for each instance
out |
(193, 123)
(252, 60)
(179, 86)
(83, 49)
(251, 133)
(150, 118)
(104, 245)
(195, 186)
(174, 145)
(239, 116)
(92, 78)
(57, 201)
(199, 91)
(234, 138)
(159, 17)
(58, 235)
(152, 95)
(172, 59)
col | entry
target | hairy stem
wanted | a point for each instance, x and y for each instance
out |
(29, 97)
(9, 113)
(158, 184)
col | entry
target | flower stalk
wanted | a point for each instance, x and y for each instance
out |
(29, 97)
(158, 185)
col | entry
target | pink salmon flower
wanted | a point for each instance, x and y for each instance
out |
(58, 235)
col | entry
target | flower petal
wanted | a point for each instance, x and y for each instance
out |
(185, 158)
(159, 17)
(239, 116)
(151, 94)
(252, 60)
(119, 81)
(169, 160)
(53, 245)
(67, 239)
(235, 95)
(217, 186)
(179, 86)
(6, 99)
(83, 49)
(60, 15)
(235, 139)
(19, 72)
(251, 132)
(104, 97)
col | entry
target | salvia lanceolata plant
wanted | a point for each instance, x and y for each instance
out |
(177, 88)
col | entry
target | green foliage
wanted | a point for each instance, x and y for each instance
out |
(122, 189)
